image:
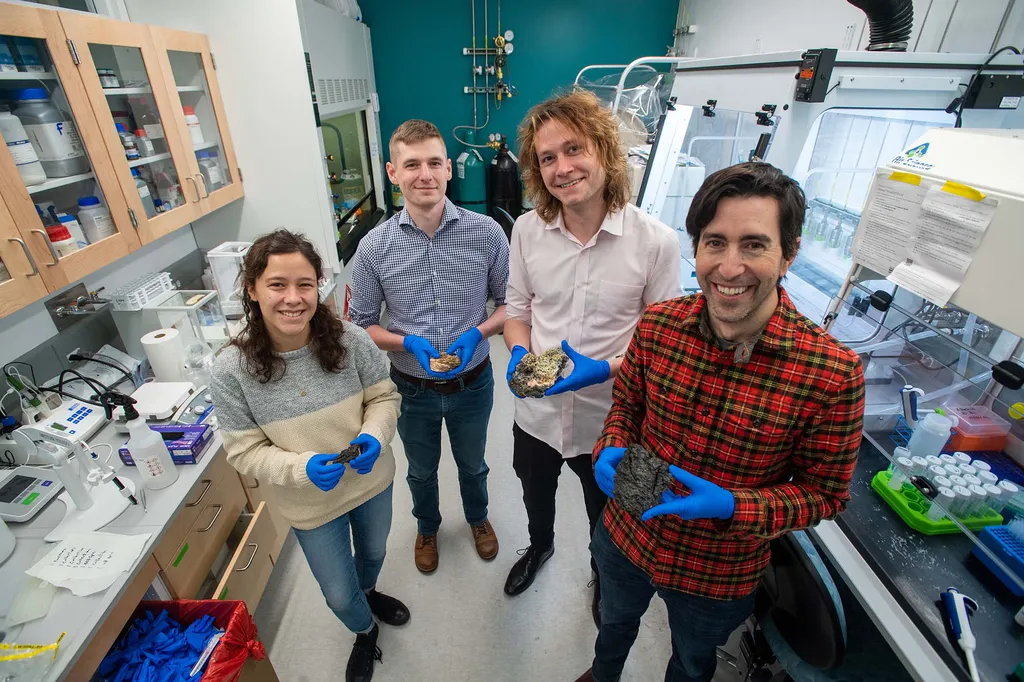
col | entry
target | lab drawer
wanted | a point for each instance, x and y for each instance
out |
(247, 573)
(185, 573)
(195, 502)
(254, 492)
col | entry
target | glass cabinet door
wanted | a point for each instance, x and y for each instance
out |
(136, 114)
(55, 173)
(199, 103)
(20, 280)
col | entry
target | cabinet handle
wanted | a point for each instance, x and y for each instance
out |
(256, 484)
(195, 187)
(255, 548)
(49, 245)
(219, 508)
(201, 179)
(208, 483)
(35, 270)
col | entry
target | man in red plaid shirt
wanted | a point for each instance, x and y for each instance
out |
(757, 410)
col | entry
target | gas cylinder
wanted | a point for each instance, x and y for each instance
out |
(503, 187)
(471, 183)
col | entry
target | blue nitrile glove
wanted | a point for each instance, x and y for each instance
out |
(604, 469)
(585, 372)
(465, 347)
(322, 473)
(705, 501)
(423, 350)
(518, 352)
(370, 451)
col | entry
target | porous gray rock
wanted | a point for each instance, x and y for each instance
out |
(640, 480)
(537, 373)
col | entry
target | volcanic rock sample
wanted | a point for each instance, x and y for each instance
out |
(537, 373)
(347, 455)
(640, 480)
(445, 363)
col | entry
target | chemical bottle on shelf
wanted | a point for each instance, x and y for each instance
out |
(210, 171)
(95, 219)
(128, 142)
(144, 144)
(194, 130)
(7, 64)
(148, 118)
(146, 446)
(144, 194)
(52, 132)
(26, 55)
(167, 189)
(62, 240)
(71, 224)
(19, 146)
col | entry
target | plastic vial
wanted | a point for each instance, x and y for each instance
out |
(900, 467)
(947, 459)
(987, 477)
(52, 133)
(962, 457)
(959, 480)
(979, 500)
(920, 466)
(954, 470)
(1011, 493)
(942, 482)
(981, 465)
(972, 479)
(996, 498)
(20, 148)
(944, 499)
(935, 472)
(968, 470)
(963, 501)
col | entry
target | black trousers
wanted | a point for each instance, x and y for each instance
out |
(538, 465)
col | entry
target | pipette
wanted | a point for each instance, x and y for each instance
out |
(959, 608)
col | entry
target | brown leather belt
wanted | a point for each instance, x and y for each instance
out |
(445, 386)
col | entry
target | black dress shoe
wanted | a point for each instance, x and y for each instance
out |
(595, 606)
(364, 653)
(525, 570)
(388, 610)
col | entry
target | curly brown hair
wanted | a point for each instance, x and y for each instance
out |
(582, 113)
(254, 341)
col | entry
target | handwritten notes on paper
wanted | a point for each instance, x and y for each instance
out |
(86, 563)
(923, 235)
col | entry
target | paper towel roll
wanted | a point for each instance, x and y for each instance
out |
(166, 353)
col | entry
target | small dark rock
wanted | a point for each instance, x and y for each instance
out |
(537, 373)
(347, 455)
(640, 480)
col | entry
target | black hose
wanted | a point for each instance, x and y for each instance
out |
(891, 23)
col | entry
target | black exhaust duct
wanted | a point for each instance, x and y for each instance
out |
(891, 22)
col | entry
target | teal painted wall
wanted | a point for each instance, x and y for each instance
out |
(420, 69)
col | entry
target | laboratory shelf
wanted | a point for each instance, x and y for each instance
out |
(127, 91)
(190, 88)
(60, 182)
(205, 145)
(23, 76)
(146, 160)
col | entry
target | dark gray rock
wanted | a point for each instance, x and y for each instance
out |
(347, 455)
(640, 480)
(537, 373)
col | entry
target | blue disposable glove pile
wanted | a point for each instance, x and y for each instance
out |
(604, 469)
(158, 649)
(705, 501)
(464, 347)
(369, 448)
(585, 372)
(323, 473)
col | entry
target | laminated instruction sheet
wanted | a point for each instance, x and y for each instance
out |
(921, 233)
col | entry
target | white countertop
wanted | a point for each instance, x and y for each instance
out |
(81, 617)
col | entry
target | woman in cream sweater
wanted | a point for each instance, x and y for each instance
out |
(293, 390)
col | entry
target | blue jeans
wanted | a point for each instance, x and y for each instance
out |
(466, 414)
(346, 576)
(699, 625)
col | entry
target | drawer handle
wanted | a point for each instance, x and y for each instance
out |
(208, 483)
(219, 508)
(255, 548)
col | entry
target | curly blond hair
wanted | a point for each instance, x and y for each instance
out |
(581, 112)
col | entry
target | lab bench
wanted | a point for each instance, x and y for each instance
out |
(211, 520)
(898, 575)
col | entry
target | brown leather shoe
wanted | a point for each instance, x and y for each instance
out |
(426, 553)
(486, 541)
(586, 677)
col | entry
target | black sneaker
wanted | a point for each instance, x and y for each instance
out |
(388, 610)
(364, 652)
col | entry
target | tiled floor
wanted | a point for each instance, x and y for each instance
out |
(463, 627)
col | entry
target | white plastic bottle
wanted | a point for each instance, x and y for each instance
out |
(930, 435)
(151, 457)
(68, 222)
(194, 130)
(144, 194)
(95, 219)
(20, 148)
(62, 241)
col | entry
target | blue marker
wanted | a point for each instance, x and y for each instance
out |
(959, 608)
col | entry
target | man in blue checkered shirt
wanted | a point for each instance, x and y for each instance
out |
(434, 266)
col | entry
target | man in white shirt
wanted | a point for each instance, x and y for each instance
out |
(583, 267)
